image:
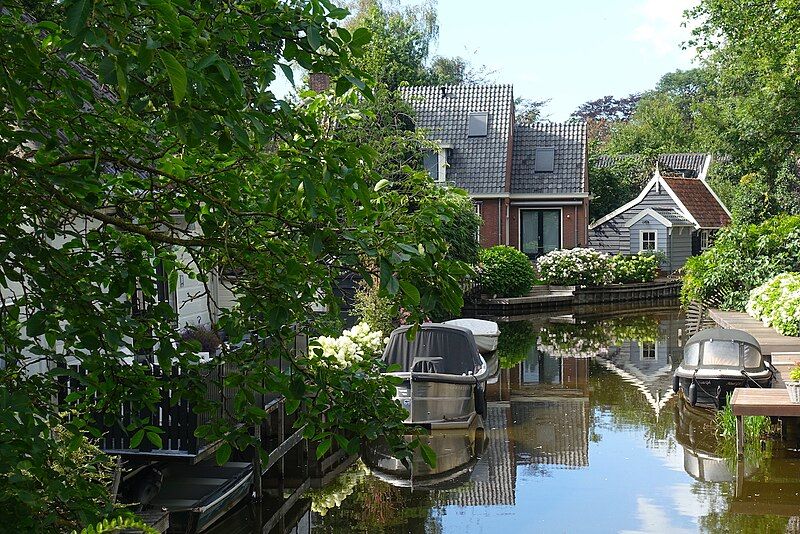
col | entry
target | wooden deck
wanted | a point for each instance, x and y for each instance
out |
(771, 341)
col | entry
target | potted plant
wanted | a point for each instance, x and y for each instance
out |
(793, 384)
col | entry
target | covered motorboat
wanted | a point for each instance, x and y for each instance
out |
(715, 362)
(486, 334)
(444, 376)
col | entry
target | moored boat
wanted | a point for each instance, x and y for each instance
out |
(717, 361)
(487, 335)
(444, 375)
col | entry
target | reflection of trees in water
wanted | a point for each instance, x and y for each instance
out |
(375, 506)
(517, 339)
(627, 407)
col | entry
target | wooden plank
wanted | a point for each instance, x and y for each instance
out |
(769, 402)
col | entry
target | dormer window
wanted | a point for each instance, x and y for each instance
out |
(435, 163)
(478, 124)
(545, 160)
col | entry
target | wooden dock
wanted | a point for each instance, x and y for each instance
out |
(773, 402)
(770, 340)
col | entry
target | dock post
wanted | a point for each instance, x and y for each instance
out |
(257, 488)
(739, 438)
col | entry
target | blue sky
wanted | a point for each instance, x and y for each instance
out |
(569, 51)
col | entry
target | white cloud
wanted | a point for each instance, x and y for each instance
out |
(653, 519)
(660, 29)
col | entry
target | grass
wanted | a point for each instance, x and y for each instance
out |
(756, 428)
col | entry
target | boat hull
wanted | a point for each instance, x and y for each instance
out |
(713, 391)
(439, 404)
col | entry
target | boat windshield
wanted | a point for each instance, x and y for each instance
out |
(752, 357)
(691, 357)
(718, 353)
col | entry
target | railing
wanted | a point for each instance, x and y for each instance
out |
(175, 417)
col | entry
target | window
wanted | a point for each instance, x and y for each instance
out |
(705, 239)
(648, 351)
(435, 162)
(478, 124)
(545, 160)
(540, 231)
(648, 240)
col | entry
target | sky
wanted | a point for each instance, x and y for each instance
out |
(568, 51)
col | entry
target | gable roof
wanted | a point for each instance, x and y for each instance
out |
(700, 201)
(569, 169)
(477, 164)
(695, 199)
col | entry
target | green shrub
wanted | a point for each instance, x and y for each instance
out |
(505, 271)
(777, 303)
(642, 267)
(574, 267)
(742, 258)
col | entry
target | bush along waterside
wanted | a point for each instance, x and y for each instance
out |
(506, 272)
(589, 267)
(742, 258)
(776, 303)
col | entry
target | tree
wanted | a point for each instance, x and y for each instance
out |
(613, 185)
(657, 126)
(399, 51)
(751, 53)
(602, 114)
(528, 111)
(140, 141)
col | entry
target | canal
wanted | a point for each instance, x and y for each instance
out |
(583, 434)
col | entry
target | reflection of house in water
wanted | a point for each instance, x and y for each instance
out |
(552, 432)
(550, 410)
(493, 480)
(649, 364)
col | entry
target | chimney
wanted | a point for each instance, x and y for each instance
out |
(319, 82)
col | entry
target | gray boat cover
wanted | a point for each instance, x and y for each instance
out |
(437, 348)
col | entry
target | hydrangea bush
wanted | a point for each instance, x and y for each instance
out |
(776, 302)
(574, 267)
(639, 268)
(351, 348)
(505, 271)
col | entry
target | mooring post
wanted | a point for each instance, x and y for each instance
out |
(258, 490)
(739, 438)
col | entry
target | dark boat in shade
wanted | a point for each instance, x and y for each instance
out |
(717, 361)
(444, 376)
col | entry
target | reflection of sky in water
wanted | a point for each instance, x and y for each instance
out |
(628, 487)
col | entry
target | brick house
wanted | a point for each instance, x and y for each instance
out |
(529, 182)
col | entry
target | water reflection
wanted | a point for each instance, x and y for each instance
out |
(582, 434)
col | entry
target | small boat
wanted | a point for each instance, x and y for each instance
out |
(486, 334)
(457, 453)
(715, 362)
(444, 375)
(199, 495)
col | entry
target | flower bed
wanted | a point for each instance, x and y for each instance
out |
(776, 303)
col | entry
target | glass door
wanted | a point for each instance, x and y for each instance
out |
(540, 231)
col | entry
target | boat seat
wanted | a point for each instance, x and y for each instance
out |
(426, 364)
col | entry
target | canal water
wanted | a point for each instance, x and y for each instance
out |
(583, 434)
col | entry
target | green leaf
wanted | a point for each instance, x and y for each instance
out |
(155, 439)
(223, 453)
(176, 73)
(361, 37)
(428, 455)
(410, 290)
(313, 37)
(292, 405)
(137, 438)
(323, 447)
(392, 285)
(36, 324)
(381, 184)
(77, 14)
(288, 72)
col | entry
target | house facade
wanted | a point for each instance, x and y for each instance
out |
(677, 214)
(529, 182)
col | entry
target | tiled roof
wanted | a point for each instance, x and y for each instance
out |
(701, 204)
(569, 141)
(477, 164)
(688, 164)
